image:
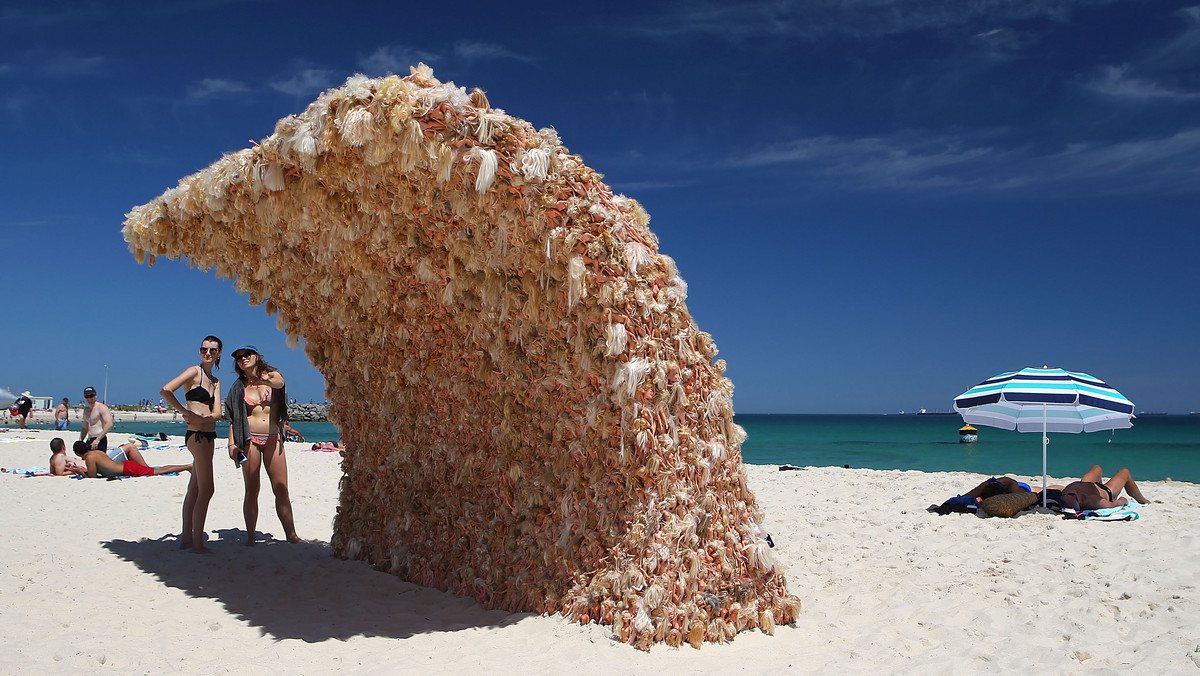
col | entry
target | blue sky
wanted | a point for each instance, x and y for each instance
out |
(876, 204)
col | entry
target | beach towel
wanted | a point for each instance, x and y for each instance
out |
(118, 478)
(1126, 512)
(27, 471)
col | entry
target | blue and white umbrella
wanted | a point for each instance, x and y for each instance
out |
(1045, 400)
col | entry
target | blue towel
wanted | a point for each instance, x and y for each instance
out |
(1125, 512)
(28, 471)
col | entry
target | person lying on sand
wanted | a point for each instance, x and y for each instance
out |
(100, 464)
(1086, 494)
(62, 464)
(1089, 493)
(971, 499)
(328, 446)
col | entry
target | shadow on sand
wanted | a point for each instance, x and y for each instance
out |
(300, 591)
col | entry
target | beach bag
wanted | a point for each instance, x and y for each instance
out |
(14, 411)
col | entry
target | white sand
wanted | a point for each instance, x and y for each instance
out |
(93, 582)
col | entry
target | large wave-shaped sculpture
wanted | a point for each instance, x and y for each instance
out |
(531, 416)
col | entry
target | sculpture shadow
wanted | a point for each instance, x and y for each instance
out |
(300, 591)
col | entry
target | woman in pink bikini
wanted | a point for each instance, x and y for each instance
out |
(257, 408)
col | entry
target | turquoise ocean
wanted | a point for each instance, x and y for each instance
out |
(1155, 448)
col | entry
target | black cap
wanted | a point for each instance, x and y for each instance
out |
(89, 391)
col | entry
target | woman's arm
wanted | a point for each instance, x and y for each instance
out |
(273, 378)
(168, 391)
(233, 449)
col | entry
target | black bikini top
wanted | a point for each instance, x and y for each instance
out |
(200, 394)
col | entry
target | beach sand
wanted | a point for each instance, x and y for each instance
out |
(93, 581)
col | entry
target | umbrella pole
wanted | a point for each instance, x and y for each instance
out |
(1045, 440)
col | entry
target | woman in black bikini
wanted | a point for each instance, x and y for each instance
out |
(1089, 493)
(257, 410)
(203, 410)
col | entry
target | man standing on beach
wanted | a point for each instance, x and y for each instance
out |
(97, 421)
(62, 415)
(24, 406)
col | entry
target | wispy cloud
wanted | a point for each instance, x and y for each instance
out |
(399, 59)
(64, 63)
(395, 59)
(634, 187)
(485, 51)
(210, 88)
(190, 6)
(1165, 159)
(47, 14)
(917, 162)
(859, 18)
(15, 104)
(908, 160)
(1183, 50)
(1001, 44)
(305, 82)
(1116, 82)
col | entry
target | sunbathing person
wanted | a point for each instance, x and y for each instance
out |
(1088, 493)
(972, 498)
(60, 463)
(100, 464)
(328, 446)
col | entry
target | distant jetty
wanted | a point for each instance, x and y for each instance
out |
(308, 412)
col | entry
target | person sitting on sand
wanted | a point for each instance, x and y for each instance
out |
(62, 464)
(328, 446)
(1088, 493)
(291, 433)
(99, 464)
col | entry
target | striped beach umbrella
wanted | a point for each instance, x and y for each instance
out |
(1045, 400)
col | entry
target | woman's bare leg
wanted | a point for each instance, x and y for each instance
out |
(189, 507)
(136, 456)
(276, 464)
(1094, 474)
(200, 492)
(250, 471)
(1123, 479)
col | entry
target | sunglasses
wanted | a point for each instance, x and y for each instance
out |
(209, 350)
(242, 355)
(89, 396)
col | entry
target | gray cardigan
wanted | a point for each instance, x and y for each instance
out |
(235, 411)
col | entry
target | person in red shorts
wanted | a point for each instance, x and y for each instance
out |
(99, 464)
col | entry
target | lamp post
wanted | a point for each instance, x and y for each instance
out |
(106, 384)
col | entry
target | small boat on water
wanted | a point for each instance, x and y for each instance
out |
(967, 434)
